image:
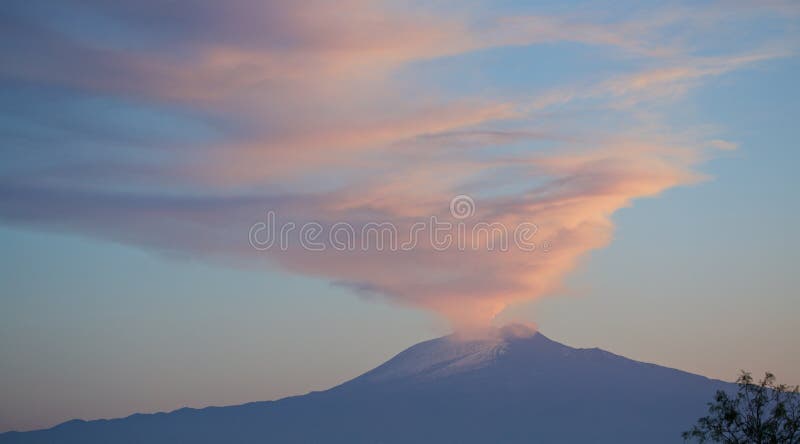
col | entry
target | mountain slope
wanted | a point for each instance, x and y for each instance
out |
(515, 387)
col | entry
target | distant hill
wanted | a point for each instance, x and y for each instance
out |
(516, 387)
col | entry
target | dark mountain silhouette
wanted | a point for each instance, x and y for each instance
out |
(516, 387)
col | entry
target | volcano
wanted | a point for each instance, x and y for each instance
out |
(514, 386)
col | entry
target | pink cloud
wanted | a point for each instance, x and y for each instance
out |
(319, 128)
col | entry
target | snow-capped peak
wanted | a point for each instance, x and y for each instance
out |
(449, 355)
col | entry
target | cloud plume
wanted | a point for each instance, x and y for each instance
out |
(220, 112)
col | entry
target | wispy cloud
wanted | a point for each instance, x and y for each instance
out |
(304, 111)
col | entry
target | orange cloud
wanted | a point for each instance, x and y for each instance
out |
(312, 119)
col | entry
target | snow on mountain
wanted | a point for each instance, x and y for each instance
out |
(439, 358)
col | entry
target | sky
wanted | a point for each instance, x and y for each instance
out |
(648, 150)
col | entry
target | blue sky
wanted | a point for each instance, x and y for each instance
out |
(139, 144)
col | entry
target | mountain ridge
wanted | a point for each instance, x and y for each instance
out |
(514, 386)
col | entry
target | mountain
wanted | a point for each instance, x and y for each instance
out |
(517, 386)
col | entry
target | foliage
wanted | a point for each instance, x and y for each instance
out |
(759, 413)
